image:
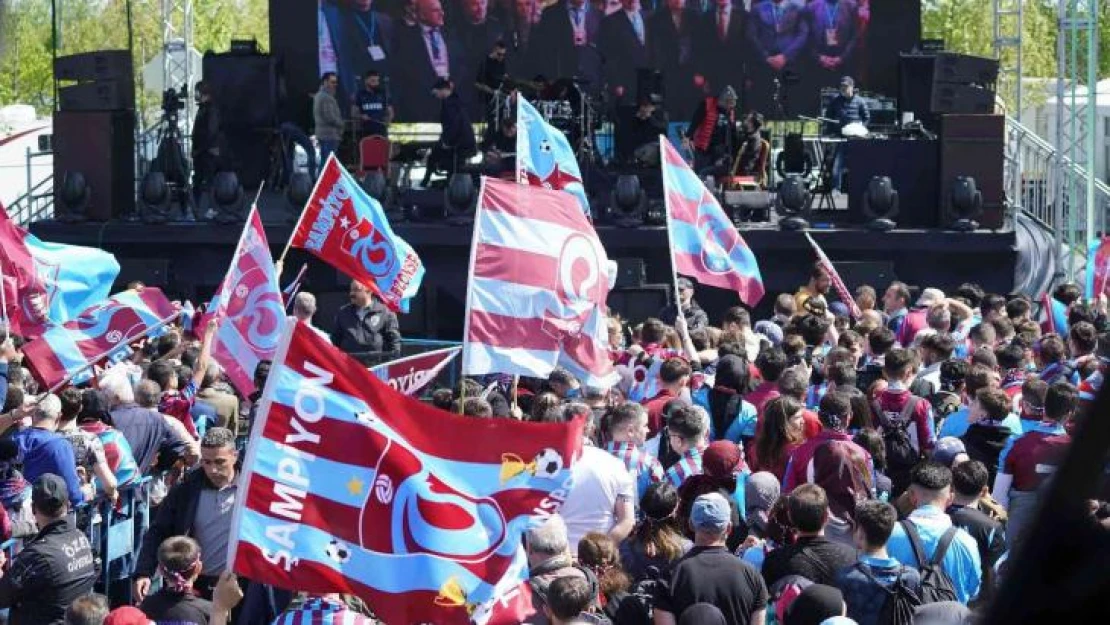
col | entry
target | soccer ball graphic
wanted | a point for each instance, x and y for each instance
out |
(548, 463)
(338, 552)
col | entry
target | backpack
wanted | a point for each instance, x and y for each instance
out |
(936, 586)
(901, 600)
(901, 456)
(782, 594)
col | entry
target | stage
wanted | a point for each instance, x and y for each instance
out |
(189, 260)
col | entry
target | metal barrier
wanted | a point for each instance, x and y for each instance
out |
(1031, 178)
(38, 201)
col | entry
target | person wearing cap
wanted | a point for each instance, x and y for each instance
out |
(44, 451)
(55, 567)
(127, 615)
(710, 573)
(696, 318)
(712, 134)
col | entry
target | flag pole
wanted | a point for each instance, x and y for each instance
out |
(516, 383)
(670, 228)
(300, 218)
(3, 298)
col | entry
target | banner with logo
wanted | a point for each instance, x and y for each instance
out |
(413, 374)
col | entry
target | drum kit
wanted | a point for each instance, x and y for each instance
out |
(565, 104)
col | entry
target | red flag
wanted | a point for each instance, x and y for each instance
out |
(348, 229)
(411, 374)
(838, 284)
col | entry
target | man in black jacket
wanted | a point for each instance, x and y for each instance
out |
(207, 138)
(696, 318)
(55, 567)
(200, 507)
(365, 325)
(456, 137)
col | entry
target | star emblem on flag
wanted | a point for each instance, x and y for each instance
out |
(557, 179)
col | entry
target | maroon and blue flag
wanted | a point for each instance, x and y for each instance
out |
(99, 335)
(46, 284)
(348, 229)
(250, 307)
(704, 243)
(544, 156)
(352, 487)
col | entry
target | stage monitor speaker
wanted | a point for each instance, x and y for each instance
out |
(245, 88)
(638, 303)
(102, 95)
(912, 167)
(965, 69)
(99, 65)
(974, 146)
(631, 272)
(101, 146)
(915, 88)
(950, 98)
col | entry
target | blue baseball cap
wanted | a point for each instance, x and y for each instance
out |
(710, 513)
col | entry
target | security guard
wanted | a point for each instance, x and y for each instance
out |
(55, 567)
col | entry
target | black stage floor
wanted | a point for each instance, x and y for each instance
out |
(189, 260)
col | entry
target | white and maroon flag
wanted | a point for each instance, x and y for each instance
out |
(539, 278)
(838, 283)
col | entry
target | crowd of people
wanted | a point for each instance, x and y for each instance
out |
(804, 469)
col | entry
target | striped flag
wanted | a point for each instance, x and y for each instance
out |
(289, 293)
(101, 334)
(249, 301)
(539, 278)
(834, 277)
(352, 487)
(704, 243)
(1097, 276)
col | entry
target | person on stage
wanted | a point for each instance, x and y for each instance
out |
(712, 134)
(456, 139)
(754, 150)
(499, 150)
(372, 107)
(638, 134)
(846, 108)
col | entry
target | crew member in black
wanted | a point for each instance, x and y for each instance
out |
(638, 135)
(206, 141)
(372, 106)
(365, 325)
(456, 139)
(499, 149)
(55, 567)
(846, 108)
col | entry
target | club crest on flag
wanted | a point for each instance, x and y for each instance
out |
(544, 156)
(369, 247)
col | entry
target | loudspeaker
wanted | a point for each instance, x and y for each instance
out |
(99, 65)
(639, 303)
(974, 146)
(631, 272)
(244, 88)
(101, 146)
(965, 69)
(950, 98)
(102, 95)
(915, 88)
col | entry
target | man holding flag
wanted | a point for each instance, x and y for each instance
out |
(365, 326)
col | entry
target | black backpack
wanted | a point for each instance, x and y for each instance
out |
(901, 600)
(901, 456)
(936, 586)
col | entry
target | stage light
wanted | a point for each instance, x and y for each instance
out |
(967, 205)
(299, 190)
(227, 195)
(74, 198)
(377, 186)
(628, 202)
(154, 198)
(459, 198)
(792, 203)
(880, 204)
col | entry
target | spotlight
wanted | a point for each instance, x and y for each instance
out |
(376, 185)
(628, 203)
(74, 198)
(298, 192)
(793, 203)
(154, 198)
(227, 195)
(880, 204)
(967, 205)
(459, 199)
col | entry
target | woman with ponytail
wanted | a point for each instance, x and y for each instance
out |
(180, 566)
(656, 542)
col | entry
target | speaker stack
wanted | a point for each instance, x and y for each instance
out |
(94, 130)
(963, 84)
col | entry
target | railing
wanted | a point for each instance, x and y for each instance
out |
(1031, 178)
(38, 202)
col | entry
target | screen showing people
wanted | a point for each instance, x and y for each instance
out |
(776, 54)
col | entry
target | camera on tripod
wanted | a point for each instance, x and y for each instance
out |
(173, 102)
